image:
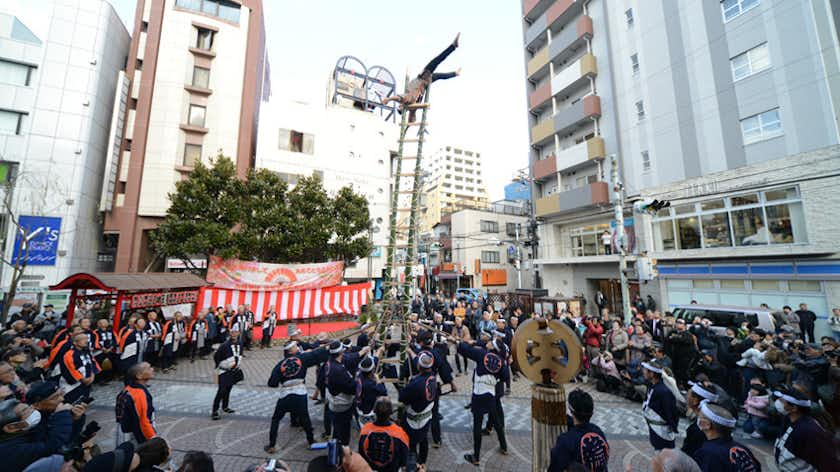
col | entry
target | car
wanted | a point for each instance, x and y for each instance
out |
(469, 294)
(725, 316)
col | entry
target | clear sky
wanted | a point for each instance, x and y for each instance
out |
(483, 110)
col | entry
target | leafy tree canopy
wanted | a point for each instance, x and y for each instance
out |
(214, 213)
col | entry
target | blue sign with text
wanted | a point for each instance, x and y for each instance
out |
(41, 233)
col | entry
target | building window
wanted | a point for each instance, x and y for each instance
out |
(645, 161)
(510, 229)
(762, 126)
(201, 77)
(10, 122)
(296, 141)
(755, 219)
(489, 226)
(192, 154)
(634, 64)
(751, 62)
(640, 110)
(490, 257)
(628, 16)
(586, 241)
(204, 38)
(15, 73)
(734, 8)
(224, 9)
(197, 115)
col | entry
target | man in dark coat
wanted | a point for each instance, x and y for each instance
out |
(228, 359)
(681, 348)
(806, 322)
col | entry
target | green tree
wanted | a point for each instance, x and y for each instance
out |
(351, 223)
(205, 210)
(310, 209)
(264, 233)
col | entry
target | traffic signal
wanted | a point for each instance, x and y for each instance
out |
(650, 207)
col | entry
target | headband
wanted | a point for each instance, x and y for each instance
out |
(652, 368)
(708, 413)
(426, 361)
(791, 399)
(290, 345)
(364, 367)
(698, 389)
(338, 349)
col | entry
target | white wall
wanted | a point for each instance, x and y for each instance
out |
(170, 103)
(338, 132)
(64, 153)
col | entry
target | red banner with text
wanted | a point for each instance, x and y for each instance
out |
(234, 274)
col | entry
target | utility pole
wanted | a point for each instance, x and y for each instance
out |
(618, 198)
(518, 260)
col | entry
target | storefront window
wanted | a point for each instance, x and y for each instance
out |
(766, 285)
(590, 245)
(804, 286)
(712, 205)
(749, 227)
(688, 230)
(716, 231)
(786, 223)
(742, 200)
(663, 232)
(702, 283)
(586, 241)
(769, 217)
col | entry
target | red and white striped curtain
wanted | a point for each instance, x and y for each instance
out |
(291, 305)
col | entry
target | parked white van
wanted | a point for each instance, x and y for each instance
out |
(723, 316)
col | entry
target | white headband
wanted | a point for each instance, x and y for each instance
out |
(367, 369)
(337, 350)
(702, 392)
(708, 413)
(651, 368)
(290, 345)
(426, 361)
(794, 400)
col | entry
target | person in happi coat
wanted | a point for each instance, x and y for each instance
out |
(197, 337)
(171, 337)
(489, 370)
(804, 445)
(694, 437)
(269, 323)
(78, 369)
(133, 344)
(290, 376)
(720, 452)
(53, 370)
(584, 443)
(248, 333)
(228, 359)
(382, 443)
(341, 388)
(155, 331)
(660, 408)
(442, 370)
(368, 389)
(419, 398)
(106, 356)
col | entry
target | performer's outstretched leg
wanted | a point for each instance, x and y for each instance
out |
(445, 75)
(432, 65)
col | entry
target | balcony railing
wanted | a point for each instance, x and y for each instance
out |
(596, 193)
(581, 153)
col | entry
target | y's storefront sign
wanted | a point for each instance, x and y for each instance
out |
(148, 300)
(41, 233)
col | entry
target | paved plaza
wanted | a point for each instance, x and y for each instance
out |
(183, 399)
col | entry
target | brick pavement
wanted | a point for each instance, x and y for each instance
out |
(183, 399)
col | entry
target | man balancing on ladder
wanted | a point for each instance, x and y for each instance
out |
(416, 88)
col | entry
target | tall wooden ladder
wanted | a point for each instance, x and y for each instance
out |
(404, 232)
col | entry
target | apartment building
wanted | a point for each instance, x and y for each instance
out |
(193, 83)
(56, 101)
(344, 146)
(689, 93)
(478, 248)
(453, 180)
